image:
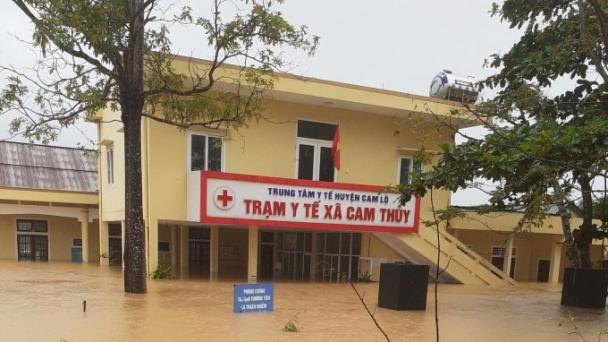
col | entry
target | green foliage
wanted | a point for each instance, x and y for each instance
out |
(365, 277)
(536, 141)
(600, 208)
(116, 55)
(162, 272)
(576, 331)
(291, 326)
(89, 55)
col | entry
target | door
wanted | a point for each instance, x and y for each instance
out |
(266, 262)
(199, 258)
(542, 275)
(115, 251)
(32, 247)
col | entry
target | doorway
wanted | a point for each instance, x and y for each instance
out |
(115, 244)
(294, 255)
(233, 253)
(33, 247)
(266, 255)
(32, 240)
(338, 256)
(199, 255)
(305, 256)
(542, 275)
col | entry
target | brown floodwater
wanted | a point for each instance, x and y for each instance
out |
(43, 302)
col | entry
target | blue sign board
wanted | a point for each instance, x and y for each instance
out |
(253, 298)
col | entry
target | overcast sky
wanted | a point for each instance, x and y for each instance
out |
(391, 44)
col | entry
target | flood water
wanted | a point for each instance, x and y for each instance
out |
(43, 302)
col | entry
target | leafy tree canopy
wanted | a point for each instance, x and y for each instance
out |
(541, 150)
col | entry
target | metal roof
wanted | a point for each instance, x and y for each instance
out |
(47, 167)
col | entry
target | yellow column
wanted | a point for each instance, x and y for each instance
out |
(556, 260)
(183, 250)
(252, 260)
(84, 234)
(104, 248)
(152, 245)
(214, 252)
(508, 256)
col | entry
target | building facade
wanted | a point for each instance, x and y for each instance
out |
(48, 203)
(221, 204)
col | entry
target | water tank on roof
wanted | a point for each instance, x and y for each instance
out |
(449, 86)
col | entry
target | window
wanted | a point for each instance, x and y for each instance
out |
(314, 158)
(164, 246)
(407, 166)
(32, 226)
(497, 257)
(110, 164)
(206, 153)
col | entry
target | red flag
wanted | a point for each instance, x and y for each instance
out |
(335, 149)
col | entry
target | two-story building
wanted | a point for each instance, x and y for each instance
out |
(269, 201)
(239, 204)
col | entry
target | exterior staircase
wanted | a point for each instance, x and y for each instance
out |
(458, 262)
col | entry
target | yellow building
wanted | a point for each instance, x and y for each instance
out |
(262, 203)
(48, 203)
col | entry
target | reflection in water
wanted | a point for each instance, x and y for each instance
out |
(43, 302)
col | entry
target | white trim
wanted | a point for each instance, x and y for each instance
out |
(71, 212)
(411, 159)
(206, 135)
(316, 165)
(317, 143)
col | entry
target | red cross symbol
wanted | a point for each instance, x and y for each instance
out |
(224, 198)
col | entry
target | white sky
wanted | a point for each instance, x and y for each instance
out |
(391, 44)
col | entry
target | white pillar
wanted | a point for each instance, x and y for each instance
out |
(508, 256)
(84, 234)
(214, 257)
(556, 260)
(152, 245)
(252, 260)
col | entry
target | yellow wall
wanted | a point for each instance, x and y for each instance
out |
(111, 196)
(61, 232)
(369, 152)
(530, 248)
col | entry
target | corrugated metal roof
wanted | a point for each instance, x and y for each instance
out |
(47, 167)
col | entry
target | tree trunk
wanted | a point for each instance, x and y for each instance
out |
(135, 246)
(564, 214)
(131, 98)
(585, 235)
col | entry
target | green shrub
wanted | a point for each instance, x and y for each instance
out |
(291, 326)
(162, 272)
(365, 277)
